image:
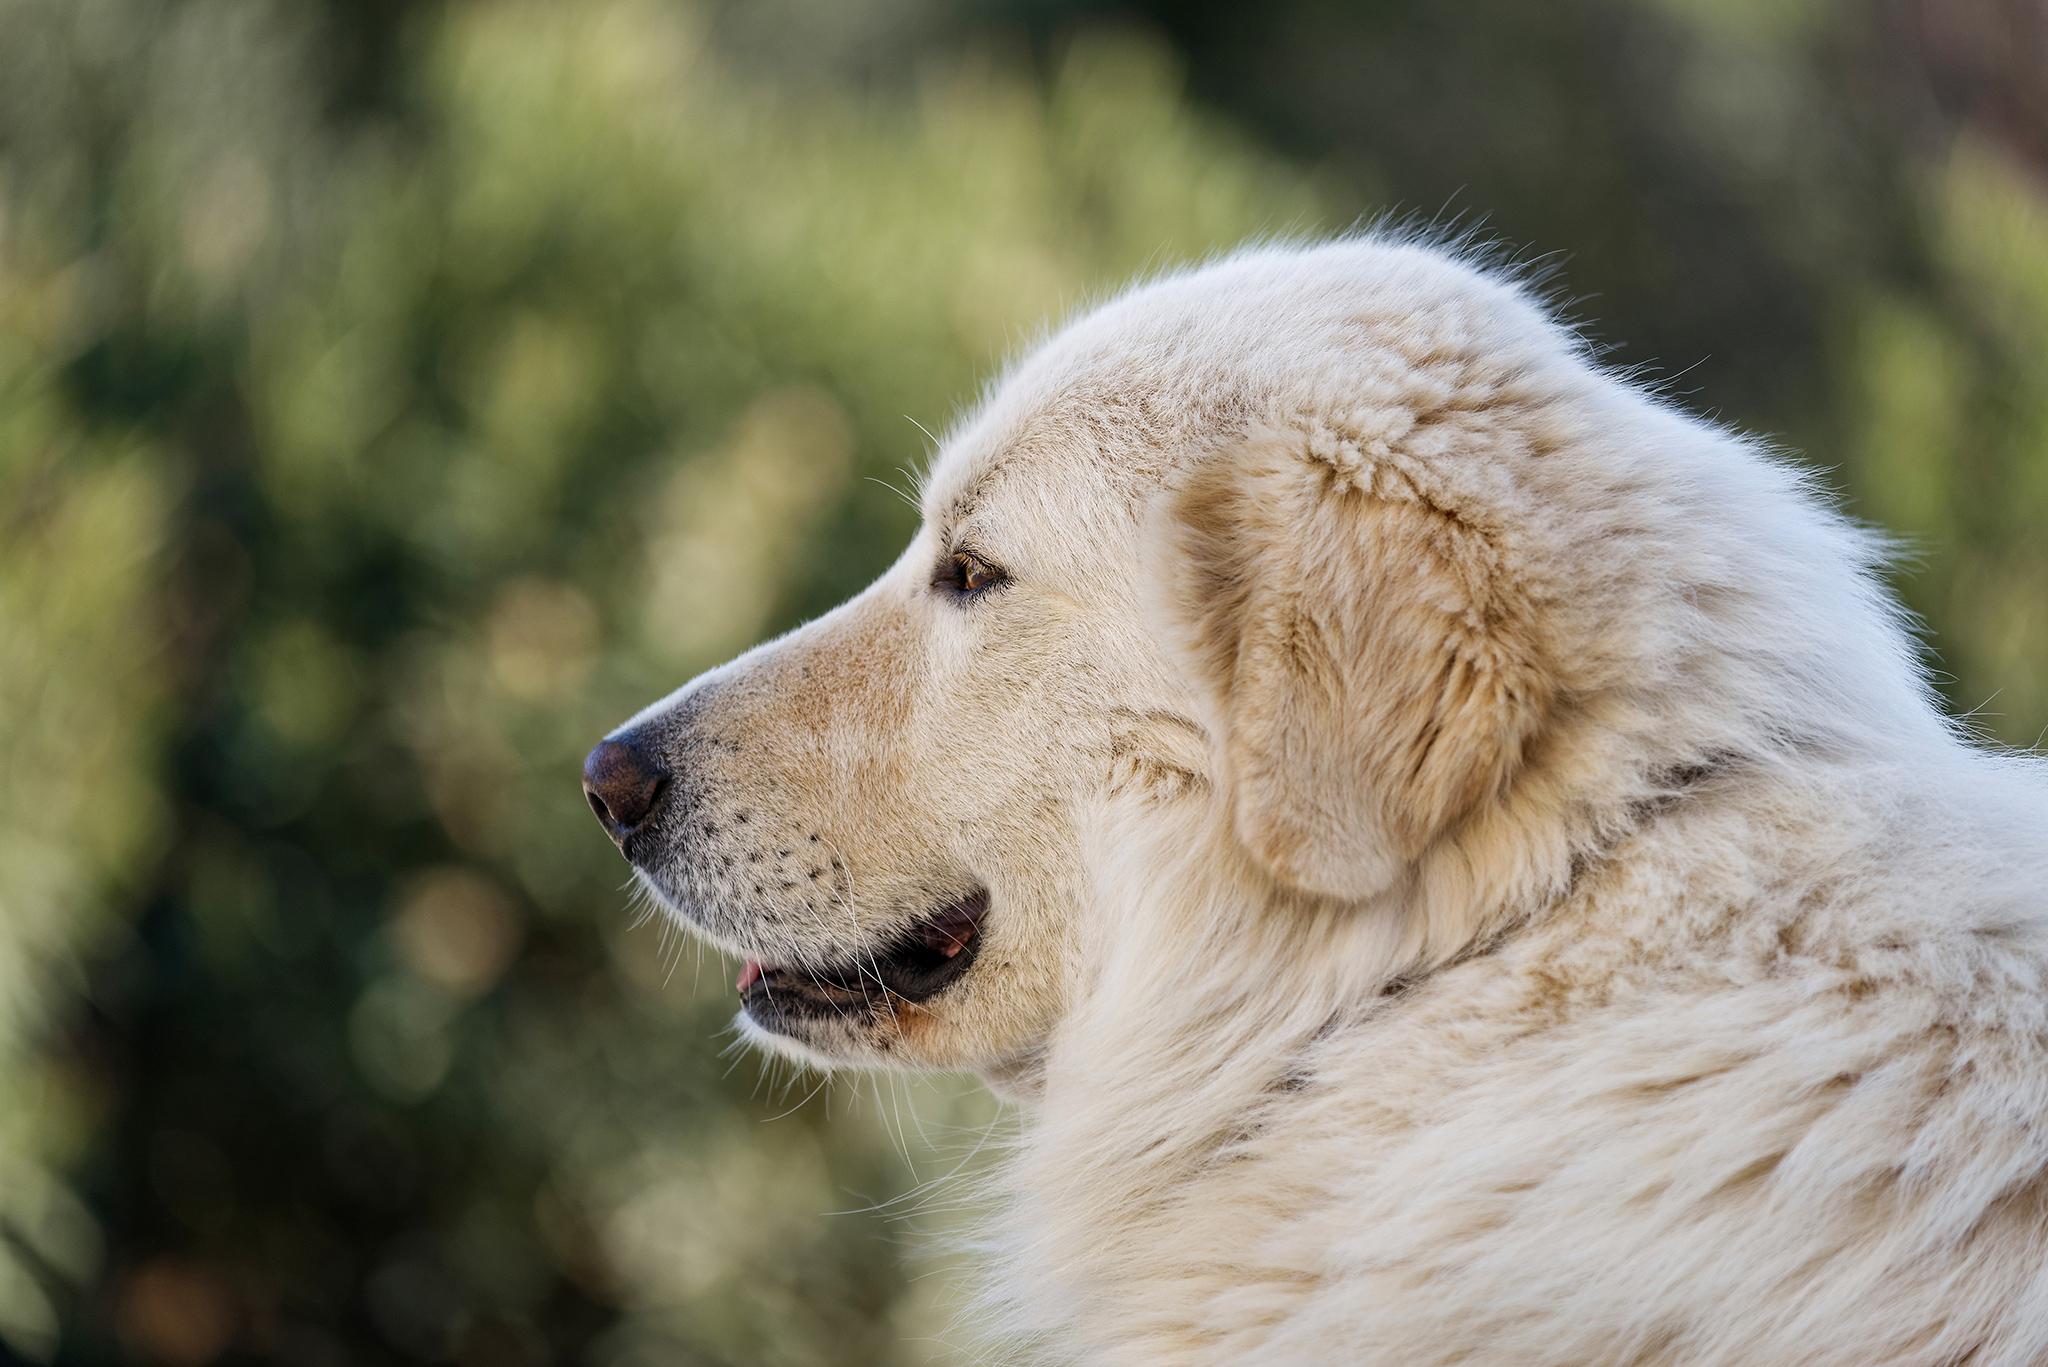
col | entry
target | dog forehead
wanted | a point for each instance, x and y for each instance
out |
(1047, 475)
(1124, 396)
(1082, 432)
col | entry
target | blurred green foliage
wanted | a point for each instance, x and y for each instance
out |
(379, 466)
(395, 396)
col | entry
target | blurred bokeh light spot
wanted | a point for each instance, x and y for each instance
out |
(543, 640)
(457, 929)
(28, 1322)
(305, 684)
(226, 216)
(177, 1313)
(398, 1034)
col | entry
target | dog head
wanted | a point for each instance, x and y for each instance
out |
(1327, 545)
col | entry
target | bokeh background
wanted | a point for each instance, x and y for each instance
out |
(396, 394)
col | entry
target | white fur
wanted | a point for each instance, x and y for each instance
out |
(1675, 995)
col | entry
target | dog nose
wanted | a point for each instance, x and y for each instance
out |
(622, 782)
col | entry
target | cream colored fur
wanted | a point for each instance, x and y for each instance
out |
(1476, 874)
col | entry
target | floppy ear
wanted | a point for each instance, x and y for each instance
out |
(1373, 679)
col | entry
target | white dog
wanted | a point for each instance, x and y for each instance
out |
(1456, 857)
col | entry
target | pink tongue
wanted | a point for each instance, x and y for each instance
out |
(750, 973)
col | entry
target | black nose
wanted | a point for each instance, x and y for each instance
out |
(623, 782)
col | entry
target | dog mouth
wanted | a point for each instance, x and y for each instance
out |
(913, 967)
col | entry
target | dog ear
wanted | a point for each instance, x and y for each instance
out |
(1372, 679)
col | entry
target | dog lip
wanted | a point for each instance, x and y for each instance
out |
(913, 967)
(953, 929)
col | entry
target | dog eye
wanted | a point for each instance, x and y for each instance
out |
(963, 572)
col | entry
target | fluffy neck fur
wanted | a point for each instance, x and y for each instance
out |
(1205, 991)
